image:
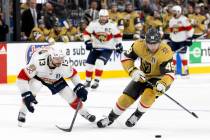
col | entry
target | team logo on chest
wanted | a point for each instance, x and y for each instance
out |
(104, 35)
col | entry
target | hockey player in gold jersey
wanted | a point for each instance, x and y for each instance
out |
(156, 67)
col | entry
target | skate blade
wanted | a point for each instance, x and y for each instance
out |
(20, 124)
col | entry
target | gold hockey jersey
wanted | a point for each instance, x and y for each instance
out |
(197, 22)
(154, 65)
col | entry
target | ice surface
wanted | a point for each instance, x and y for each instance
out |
(165, 117)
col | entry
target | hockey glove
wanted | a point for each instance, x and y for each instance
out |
(159, 88)
(89, 45)
(137, 75)
(81, 92)
(119, 48)
(28, 99)
(189, 42)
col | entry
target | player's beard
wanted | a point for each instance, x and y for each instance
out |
(103, 21)
(53, 63)
(58, 64)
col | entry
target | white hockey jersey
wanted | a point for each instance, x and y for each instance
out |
(103, 36)
(38, 66)
(180, 29)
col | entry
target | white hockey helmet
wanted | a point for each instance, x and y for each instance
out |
(103, 12)
(176, 9)
(57, 55)
(56, 51)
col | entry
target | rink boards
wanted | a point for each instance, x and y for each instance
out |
(13, 58)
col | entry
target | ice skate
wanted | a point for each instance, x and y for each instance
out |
(88, 116)
(107, 120)
(21, 119)
(87, 84)
(104, 122)
(185, 73)
(133, 118)
(95, 84)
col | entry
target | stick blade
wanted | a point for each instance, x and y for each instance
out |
(196, 116)
(64, 129)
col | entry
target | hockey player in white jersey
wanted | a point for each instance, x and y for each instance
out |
(49, 68)
(101, 37)
(181, 33)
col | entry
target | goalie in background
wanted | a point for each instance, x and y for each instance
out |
(101, 37)
(49, 67)
(156, 67)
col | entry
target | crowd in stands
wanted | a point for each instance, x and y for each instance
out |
(64, 20)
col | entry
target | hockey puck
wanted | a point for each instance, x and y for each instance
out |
(158, 136)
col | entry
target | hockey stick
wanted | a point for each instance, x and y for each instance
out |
(73, 120)
(192, 113)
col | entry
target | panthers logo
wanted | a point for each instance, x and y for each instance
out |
(102, 37)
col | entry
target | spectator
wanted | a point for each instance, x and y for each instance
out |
(4, 29)
(104, 5)
(167, 15)
(49, 16)
(25, 6)
(92, 11)
(154, 21)
(121, 5)
(39, 34)
(76, 14)
(190, 8)
(80, 29)
(197, 21)
(116, 16)
(29, 19)
(147, 6)
(61, 9)
(132, 23)
(58, 33)
(70, 30)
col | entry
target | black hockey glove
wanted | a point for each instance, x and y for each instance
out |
(89, 45)
(189, 42)
(28, 99)
(119, 48)
(81, 92)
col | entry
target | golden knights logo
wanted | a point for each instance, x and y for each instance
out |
(145, 66)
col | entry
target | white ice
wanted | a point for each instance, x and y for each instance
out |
(165, 117)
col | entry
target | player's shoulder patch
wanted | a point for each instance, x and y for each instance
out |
(31, 68)
(165, 52)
